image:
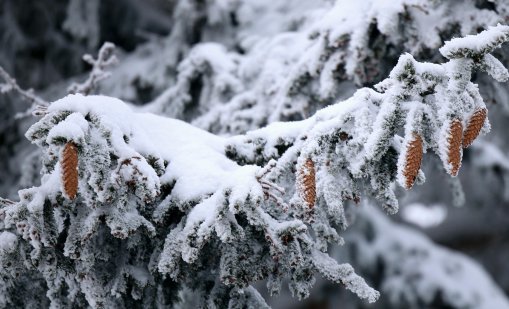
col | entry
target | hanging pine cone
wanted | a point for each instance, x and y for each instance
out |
(474, 126)
(454, 143)
(413, 159)
(307, 183)
(69, 164)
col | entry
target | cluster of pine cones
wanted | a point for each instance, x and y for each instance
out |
(456, 140)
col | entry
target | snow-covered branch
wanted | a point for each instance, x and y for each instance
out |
(182, 191)
(292, 74)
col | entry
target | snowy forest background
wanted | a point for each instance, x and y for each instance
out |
(230, 67)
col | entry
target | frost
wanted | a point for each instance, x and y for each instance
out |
(473, 46)
(495, 68)
(8, 242)
(345, 274)
(72, 129)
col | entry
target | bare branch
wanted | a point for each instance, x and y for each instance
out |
(5, 202)
(10, 84)
(105, 59)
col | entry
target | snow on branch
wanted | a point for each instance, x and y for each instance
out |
(290, 75)
(105, 58)
(476, 46)
(5, 202)
(228, 210)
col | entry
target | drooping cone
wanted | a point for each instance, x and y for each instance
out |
(412, 161)
(306, 183)
(69, 164)
(474, 126)
(454, 145)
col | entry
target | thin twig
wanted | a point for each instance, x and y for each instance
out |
(5, 202)
(272, 185)
(10, 84)
(266, 169)
(270, 188)
(105, 59)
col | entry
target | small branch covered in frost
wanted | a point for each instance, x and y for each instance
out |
(105, 59)
(38, 104)
(270, 189)
(5, 202)
(344, 273)
(476, 46)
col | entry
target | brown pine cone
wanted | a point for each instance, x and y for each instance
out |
(413, 160)
(474, 126)
(454, 145)
(69, 164)
(307, 183)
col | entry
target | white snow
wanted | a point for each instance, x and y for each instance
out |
(73, 128)
(8, 242)
(424, 216)
(478, 43)
(196, 157)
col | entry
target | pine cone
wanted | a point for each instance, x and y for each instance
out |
(454, 142)
(413, 160)
(474, 126)
(69, 163)
(307, 183)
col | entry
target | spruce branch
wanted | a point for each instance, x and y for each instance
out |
(476, 46)
(203, 204)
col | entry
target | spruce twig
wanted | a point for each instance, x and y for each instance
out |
(105, 58)
(38, 105)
